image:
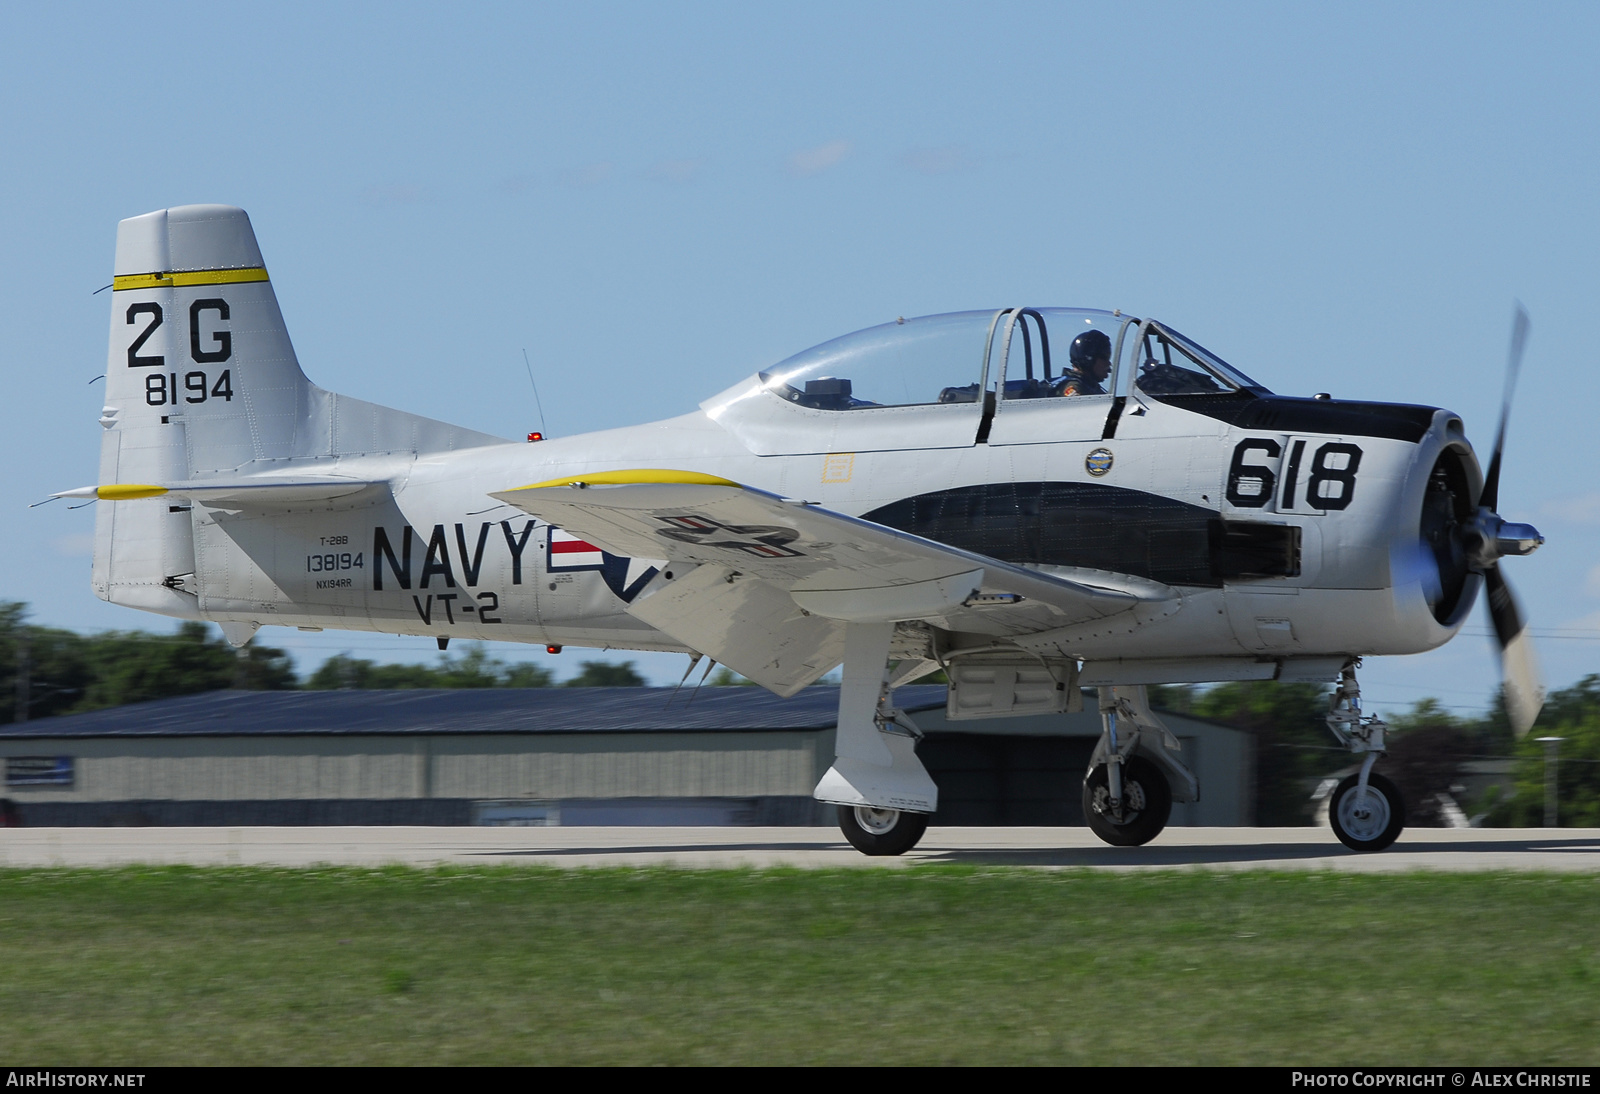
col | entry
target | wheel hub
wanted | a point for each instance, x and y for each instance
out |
(1131, 805)
(1364, 820)
(879, 822)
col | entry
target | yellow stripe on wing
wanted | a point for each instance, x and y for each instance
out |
(128, 491)
(181, 278)
(639, 476)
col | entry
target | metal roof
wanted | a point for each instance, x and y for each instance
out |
(465, 710)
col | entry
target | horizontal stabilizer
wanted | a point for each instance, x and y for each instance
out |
(254, 493)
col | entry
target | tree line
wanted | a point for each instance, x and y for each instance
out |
(46, 671)
(49, 671)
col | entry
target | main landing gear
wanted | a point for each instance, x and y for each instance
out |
(1366, 811)
(875, 831)
(1128, 794)
(883, 792)
(1138, 814)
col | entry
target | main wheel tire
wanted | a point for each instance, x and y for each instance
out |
(881, 831)
(1371, 826)
(1147, 803)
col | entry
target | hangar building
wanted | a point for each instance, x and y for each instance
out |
(568, 756)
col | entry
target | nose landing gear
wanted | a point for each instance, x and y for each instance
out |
(1366, 811)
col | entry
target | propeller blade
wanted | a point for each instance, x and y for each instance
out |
(1519, 667)
(1490, 499)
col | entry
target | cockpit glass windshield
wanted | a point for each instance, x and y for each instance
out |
(933, 359)
(1170, 364)
(936, 359)
(1034, 352)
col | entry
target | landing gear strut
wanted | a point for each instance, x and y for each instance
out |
(1128, 793)
(883, 792)
(1366, 811)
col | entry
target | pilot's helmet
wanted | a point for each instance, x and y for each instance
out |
(1089, 347)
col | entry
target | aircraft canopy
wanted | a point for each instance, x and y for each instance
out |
(1021, 353)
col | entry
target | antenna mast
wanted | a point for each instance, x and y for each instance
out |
(536, 402)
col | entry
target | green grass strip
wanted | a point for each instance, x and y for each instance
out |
(177, 965)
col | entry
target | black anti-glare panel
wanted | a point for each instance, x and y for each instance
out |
(1285, 414)
(1086, 524)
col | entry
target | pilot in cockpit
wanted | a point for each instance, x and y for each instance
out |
(1090, 358)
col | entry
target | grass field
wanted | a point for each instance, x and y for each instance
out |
(918, 966)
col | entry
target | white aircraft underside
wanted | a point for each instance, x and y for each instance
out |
(857, 504)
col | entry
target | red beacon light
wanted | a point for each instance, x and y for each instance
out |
(552, 649)
(535, 436)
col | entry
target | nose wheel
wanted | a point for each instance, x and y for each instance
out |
(1370, 821)
(881, 831)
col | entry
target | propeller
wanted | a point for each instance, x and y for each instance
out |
(1487, 538)
(1519, 669)
(1490, 498)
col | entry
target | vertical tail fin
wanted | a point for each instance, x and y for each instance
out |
(202, 379)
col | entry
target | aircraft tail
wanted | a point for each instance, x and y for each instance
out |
(202, 380)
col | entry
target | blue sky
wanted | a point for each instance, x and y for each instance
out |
(657, 200)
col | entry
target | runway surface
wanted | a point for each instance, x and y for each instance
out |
(1564, 850)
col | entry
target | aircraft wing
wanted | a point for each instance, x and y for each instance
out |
(765, 584)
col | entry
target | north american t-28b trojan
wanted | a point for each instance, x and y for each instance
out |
(943, 492)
